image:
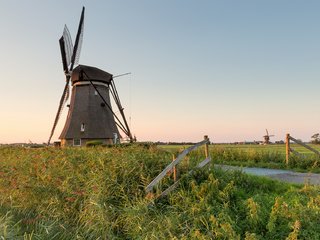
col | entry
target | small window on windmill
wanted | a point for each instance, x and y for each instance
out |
(76, 142)
(82, 127)
(95, 93)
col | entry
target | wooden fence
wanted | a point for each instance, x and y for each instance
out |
(289, 150)
(176, 161)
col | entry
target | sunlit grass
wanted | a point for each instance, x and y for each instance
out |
(267, 156)
(98, 193)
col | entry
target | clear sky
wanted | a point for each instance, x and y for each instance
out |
(228, 69)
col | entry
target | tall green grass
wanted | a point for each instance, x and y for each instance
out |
(98, 193)
(267, 156)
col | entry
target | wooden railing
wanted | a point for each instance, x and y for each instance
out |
(176, 161)
(289, 150)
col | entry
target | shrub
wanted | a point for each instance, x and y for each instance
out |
(94, 143)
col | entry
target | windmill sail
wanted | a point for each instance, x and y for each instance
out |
(63, 99)
(68, 44)
(63, 55)
(78, 42)
(68, 55)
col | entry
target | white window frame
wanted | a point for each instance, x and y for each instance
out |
(76, 139)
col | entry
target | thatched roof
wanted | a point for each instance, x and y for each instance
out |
(93, 73)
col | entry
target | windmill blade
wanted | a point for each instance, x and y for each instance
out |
(66, 48)
(65, 68)
(63, 55)
(76, 60)
(61, 104)
(78, 42)
(68, 44)
(267, 132)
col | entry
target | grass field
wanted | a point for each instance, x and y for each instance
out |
(279, 148)
(98, 193)
(268, 156)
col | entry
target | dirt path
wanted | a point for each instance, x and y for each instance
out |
(281, 175)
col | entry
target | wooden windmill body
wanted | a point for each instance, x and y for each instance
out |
(90, 116)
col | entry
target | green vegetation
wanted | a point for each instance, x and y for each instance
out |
(94, 143)
(315, 138)
(98, 193)
(267, 156)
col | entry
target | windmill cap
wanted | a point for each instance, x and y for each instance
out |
(85, 73)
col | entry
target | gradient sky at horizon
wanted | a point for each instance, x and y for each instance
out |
(227, 69)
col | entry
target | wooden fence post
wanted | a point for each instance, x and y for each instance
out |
(174, 169)
(287, 148)
(174, 163)
(206, 146)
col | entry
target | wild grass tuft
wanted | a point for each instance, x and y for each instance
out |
(98, 193)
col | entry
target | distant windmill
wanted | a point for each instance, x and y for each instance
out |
(267, 137)
(90, 115)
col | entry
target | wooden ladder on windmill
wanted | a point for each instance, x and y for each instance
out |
(172, 167)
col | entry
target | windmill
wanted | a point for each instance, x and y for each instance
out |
(90, 115)
(267, 137)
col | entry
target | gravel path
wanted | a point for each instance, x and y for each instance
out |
(281, 175)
